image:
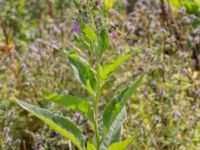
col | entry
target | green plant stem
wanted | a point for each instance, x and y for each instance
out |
(96, 105)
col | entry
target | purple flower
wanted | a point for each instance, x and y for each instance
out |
(176, 115)
(76, 27)
(97, 2)
(125, 3)
(183, 10)
(114, 35)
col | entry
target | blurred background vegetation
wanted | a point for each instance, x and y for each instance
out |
(35, 35)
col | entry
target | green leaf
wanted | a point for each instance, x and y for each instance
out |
(71, 102)
(88, 31)
(58, 123)
(114, 65)
(83, 72)
(108, 4)
(114, 134)
(123, 144)
(82, 43)
(103, 42)
(76, 4)
(21, 6)
(115, 106)
(90, 146)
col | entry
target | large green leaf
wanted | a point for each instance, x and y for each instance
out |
(90, 146)
(114, 134)
(71, 102)
(123, 144)
(104, 41)
(58, 123)
(88, 31)
(83, 72)
(114, 65)
(113, 108)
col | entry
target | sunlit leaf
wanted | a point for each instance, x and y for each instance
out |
(114, 134)
(108, 4)
(83, 72)
(114, 65)
(90, 146)
(123, 144)
(88, 31)
(71, 102)
(58, 123)
(115, 106)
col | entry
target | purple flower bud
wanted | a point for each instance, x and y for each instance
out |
(97, 2)
(193, 17)
(9, 140)
(125, 3)
(197, 30)
(183, 10)
(6, 130)
(114, 35)
(176, 115)
(198, 93)
(76, 27)
(163, 30)
(161, 93)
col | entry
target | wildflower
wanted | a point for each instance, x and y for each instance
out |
(163, 30)
(193, 17)
(53, 134)
(197, 31)
(153, 82)
(6, 130)
(9, 140)
(125, 3)
(176, 115)
(194, 107)
(114, 35)
(114, 12)
(198, 93)
(183, 71)
(187, 19)
(161, 93)
(76, 27)
(182, 10)
(97, 2)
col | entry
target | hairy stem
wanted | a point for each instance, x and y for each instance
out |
(98, 90)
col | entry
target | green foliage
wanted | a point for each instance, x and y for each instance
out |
(59, 123)
(104, 41)
(116, 105)
(88, 31)
(83, 72)
(192, 6)
(93, 80)
(123, 144)
(162, 114)
(90, 146)
(71, 102)
(105, 72)
(113, 134)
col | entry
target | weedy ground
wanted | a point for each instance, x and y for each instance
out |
(166, 107)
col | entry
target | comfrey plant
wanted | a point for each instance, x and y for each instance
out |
(106, 125)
